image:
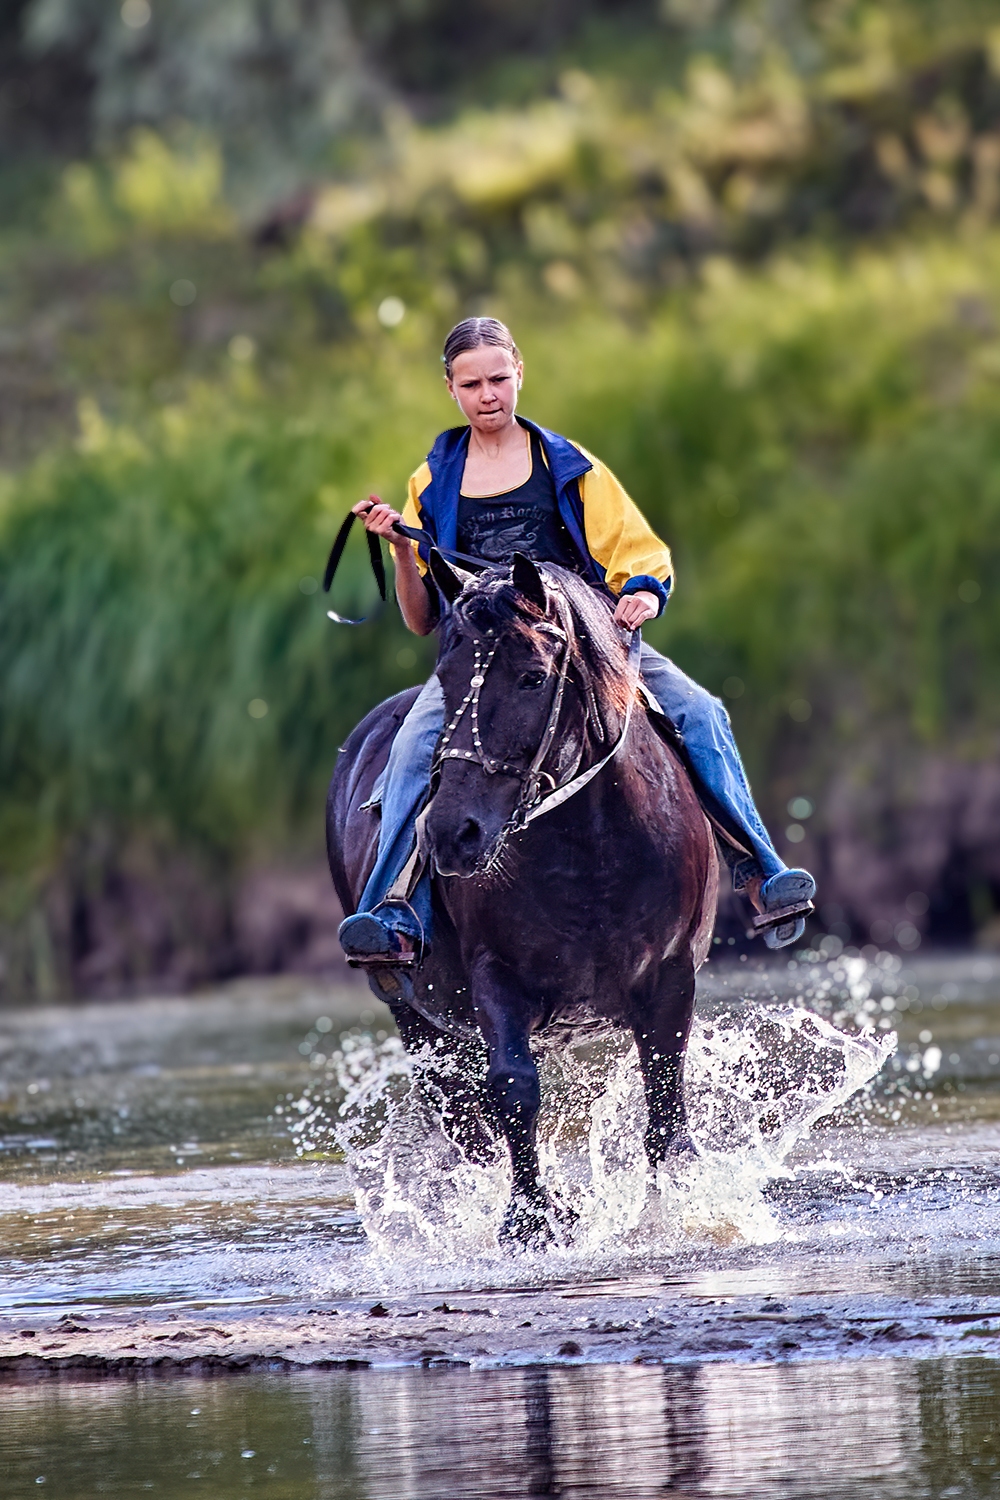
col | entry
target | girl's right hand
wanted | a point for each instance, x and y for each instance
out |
(380, 518)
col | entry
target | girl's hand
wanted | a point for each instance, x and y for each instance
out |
(380, 518)
(413, 599)
(635, 609)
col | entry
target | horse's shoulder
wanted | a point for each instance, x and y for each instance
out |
(658, 754)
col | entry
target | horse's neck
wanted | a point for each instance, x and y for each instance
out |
(612, 720)
(641, 741)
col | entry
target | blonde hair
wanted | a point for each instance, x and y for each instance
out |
(473, 333)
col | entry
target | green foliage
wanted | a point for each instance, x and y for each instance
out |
(758, 277)
(277, 80)
(613, 187)
(819, 443)
(733, 135)
(157, 584)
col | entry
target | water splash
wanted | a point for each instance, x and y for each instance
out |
(755, 1088)
(416, 1191)
(755, 1085)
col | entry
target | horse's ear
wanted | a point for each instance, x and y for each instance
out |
(444, 576)
(528, 581)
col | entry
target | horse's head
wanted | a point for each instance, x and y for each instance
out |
(522, 700)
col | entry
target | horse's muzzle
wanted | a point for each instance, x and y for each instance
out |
(460, 849)
(466, 820)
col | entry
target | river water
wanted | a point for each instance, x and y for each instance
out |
(814, 1309)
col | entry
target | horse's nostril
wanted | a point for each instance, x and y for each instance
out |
(469, 832)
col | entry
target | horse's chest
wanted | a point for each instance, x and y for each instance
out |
(579, 938)
(589, 886)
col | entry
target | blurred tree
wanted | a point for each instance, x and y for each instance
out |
(276, 80)
(44, 97)
(280, 82)
(432, 50)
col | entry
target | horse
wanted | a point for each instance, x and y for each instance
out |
(575, 873)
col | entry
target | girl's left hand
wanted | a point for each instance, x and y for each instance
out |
(635, 609)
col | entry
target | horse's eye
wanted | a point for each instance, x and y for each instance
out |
(532, 679)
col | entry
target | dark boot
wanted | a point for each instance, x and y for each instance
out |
(791, 892)
(367, 940)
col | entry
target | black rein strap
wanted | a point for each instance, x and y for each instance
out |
(413, 533)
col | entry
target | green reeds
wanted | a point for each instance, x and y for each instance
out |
(819, 442)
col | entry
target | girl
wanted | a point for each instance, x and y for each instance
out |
(503, 485)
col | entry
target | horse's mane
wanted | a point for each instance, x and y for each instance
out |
(491, 601)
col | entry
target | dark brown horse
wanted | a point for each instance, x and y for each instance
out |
(574, 871)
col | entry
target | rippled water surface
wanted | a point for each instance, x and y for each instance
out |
(901, 1430)
(169, 1195)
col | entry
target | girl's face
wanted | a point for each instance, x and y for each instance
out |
(485, 383)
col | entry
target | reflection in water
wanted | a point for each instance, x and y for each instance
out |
(830, 1430)
(540, 1474)
(682, 1418)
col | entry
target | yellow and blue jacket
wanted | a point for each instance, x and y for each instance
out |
(616, 545)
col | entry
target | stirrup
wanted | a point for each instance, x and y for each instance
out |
(779, 915)
(384, 960)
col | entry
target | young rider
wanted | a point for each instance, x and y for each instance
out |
(500, 485)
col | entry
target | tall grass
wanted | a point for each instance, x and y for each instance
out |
(820, 441)
(159, 582)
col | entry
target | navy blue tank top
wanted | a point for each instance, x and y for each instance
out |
(525, 519)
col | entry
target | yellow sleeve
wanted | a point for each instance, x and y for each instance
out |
(618, 534)
(419, 480)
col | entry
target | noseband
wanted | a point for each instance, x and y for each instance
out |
(531, 803)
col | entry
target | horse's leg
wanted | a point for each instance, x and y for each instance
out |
(661, 1021)
(451, 1079)
(504, 1016)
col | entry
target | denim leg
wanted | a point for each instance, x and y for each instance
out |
(405, 785)
(703, 724)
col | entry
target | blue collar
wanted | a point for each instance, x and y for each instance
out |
(439, 502)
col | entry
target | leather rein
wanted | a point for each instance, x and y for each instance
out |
(412, 533)
(532, 803)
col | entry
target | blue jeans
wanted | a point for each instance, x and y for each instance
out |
(700, 720)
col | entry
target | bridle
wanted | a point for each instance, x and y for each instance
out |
(531, 802)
